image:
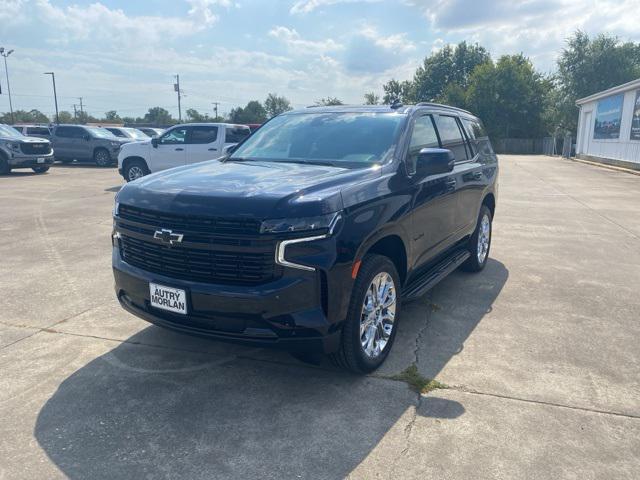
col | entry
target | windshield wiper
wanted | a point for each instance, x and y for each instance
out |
(308, 162)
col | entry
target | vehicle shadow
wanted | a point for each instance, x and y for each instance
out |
(171, 410)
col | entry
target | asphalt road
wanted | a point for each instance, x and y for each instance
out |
(540, 353)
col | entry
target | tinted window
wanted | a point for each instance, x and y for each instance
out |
(70, 132)
(423, 136)
(451, 136)
(202, 134)
(37, 131)
(175, 136)
(116, 132)
(350, 137)
(237, 134)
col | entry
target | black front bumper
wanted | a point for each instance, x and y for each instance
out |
(286, 313)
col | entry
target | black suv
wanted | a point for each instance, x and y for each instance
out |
(308, 235)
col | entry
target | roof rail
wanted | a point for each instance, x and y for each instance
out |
(434, 104)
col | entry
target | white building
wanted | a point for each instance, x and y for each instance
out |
(609, 126)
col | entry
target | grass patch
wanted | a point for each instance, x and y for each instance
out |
(416, 381)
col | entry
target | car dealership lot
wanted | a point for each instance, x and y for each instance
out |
(540, 353)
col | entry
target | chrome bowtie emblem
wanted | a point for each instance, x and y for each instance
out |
(167, 236)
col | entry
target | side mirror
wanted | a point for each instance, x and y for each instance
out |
(154, 142)
(87, 137)
(230, 149)
(432, 161)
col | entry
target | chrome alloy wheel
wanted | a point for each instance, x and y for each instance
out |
(102, 158)
(378, 314)
(484, 237)
(134, 173)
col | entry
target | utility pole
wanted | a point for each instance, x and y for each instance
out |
(6, 71)
(75, 113)
(215, 108)
(81, 109)
(176, 87)
(55, 95)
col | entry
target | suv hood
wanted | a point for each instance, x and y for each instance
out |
(252, 189)
(25, 139)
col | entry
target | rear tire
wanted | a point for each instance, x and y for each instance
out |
(480, 242)
(40, 169)
(372, 319)
(134, 170)
(101, 157)
(5, 169)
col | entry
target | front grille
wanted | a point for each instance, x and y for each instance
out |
(35, 148)
(213, 250)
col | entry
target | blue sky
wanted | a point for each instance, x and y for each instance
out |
(122, 55)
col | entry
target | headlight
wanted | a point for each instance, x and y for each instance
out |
(115, 144)
(116, 208)
(309, 224)
(14, 146)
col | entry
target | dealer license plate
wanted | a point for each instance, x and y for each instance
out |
(168, 298)
(40, 160)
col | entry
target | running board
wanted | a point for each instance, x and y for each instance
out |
(429, 279)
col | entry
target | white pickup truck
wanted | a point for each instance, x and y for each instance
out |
(179, 145)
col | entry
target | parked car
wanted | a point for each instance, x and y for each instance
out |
(81, 142)
(128, 132)
(308, 235)
(19, 151)
(40, 131)
(179, 145)
(151, 132)
(253, 126)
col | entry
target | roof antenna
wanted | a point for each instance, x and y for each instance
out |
(396, 103)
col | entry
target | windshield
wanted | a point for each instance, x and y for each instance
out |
(135, 133)
(7, 131)
(100, 132)
(342, 138)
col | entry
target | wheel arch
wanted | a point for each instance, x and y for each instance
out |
(490, 201)
(131, 158)
(391, 245)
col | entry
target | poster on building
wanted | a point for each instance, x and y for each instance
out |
(635, 120)
(608, 117)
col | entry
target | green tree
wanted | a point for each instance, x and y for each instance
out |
(329, 101)
(194, 116)
(158, 116)
(509, 96)
(448, 65)
(397, 91)
(112, 117)
(587, 66)
(66, 117)
(23, 116)
(370, 98)
(253, 112)
(275, 105)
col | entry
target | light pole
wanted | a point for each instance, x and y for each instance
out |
(176, 87)
(55, 95)
(5, 55)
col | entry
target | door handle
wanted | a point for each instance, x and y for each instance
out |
(179, 149)
(213, 149)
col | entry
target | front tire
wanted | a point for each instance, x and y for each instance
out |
(372, 319)
(135, 169)
(480, 242)
(40, 169)
(5, 169)
(102, 157)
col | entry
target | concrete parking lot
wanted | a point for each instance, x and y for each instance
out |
(540, 354)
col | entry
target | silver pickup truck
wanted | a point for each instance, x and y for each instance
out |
(20, 151)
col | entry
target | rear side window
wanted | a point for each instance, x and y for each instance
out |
(116, 132)
(451, 136)
(37, 131)
(423, 136)
(70, 132)
(203, 134)
(236, 134)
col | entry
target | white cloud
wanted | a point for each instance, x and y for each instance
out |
(539, 28)
(307, 6)
(204, 9)
(99, 22)
(297, 44)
